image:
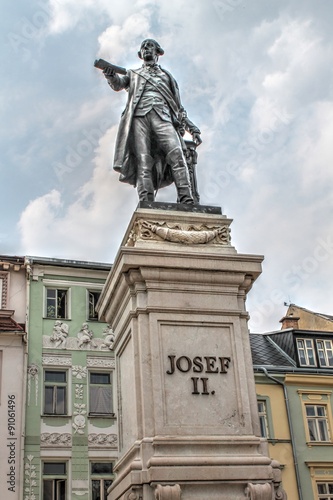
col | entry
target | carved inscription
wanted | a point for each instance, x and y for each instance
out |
(199, 364)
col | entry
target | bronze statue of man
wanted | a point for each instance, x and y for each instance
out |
(149, 152)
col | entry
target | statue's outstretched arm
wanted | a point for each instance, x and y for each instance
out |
(115, 81)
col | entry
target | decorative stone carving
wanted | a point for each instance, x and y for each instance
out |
(30, 481)
(106, 440)
(4, 277)
(133, 494)
(79, 371)
(59, 334)
(108, 338)
(72, 344)
(279, 493)
(186, 234)
(56, 439)
(79, 391)
(260, 491)
(79, 422)
(168, 492)
(57, 360)
(100, 363)
(33, 379)
(85, 337)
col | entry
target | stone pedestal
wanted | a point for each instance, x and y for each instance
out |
(187, 412)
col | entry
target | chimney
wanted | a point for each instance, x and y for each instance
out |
(289, 322)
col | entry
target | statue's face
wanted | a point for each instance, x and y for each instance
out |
(149, 51)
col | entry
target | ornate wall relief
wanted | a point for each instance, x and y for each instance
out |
(59, 334)
(186, 234)
(55, 439)
(79, 421)
(79, 371)
(30, 479)
(108, 338)
(100, 362)
(57, 360)
(85, 337)
(32, 382)
(102, 440)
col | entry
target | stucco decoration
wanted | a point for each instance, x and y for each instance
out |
(4, 277)
(59, 334)
(85, 337)
(79, 391)
(168, 492)
(108, 338)
(260, 491)
(105, 440)
(186, 234)
(100, 363)
(56, 439)
(33, 381)
(57, 360)
(79, 421)
(72, 344)
(30, 479)
(79, 371)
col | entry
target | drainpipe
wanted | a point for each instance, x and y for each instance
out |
(292, 436)
(25, 373)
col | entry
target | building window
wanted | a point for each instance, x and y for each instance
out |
(100, 394)
(56, 303)
(92, 301)
(54, 481)
(325, 352)
(262, 410)
(317, 421)
(325, 491)
(101, 479)
(55, 392)
(306, 352)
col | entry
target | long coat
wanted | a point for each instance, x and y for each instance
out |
(125, 158)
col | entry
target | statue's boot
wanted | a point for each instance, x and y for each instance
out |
(180, 176)
(144, 180)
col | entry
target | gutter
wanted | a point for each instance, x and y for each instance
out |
(292, 436)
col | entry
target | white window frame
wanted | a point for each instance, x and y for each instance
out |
(68, 301)
(317, 419)
(306, 350)
(263, 418)
(91, 290)
(327, 351)
(324, 496)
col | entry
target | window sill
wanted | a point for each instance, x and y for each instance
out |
(54, 415)
(102, 415)
(319, 443)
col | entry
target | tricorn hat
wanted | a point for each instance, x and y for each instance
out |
(159, 49)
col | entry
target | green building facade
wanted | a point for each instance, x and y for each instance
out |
(71, 432)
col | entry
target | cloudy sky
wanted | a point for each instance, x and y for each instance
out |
(255, 76)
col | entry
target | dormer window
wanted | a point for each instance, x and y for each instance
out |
(325, 352)
(306, 354)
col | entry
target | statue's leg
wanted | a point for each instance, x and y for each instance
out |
(176, 160)
(169, 143)
(144, 161)
(144, 182)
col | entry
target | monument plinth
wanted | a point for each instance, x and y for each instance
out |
(187, 411)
